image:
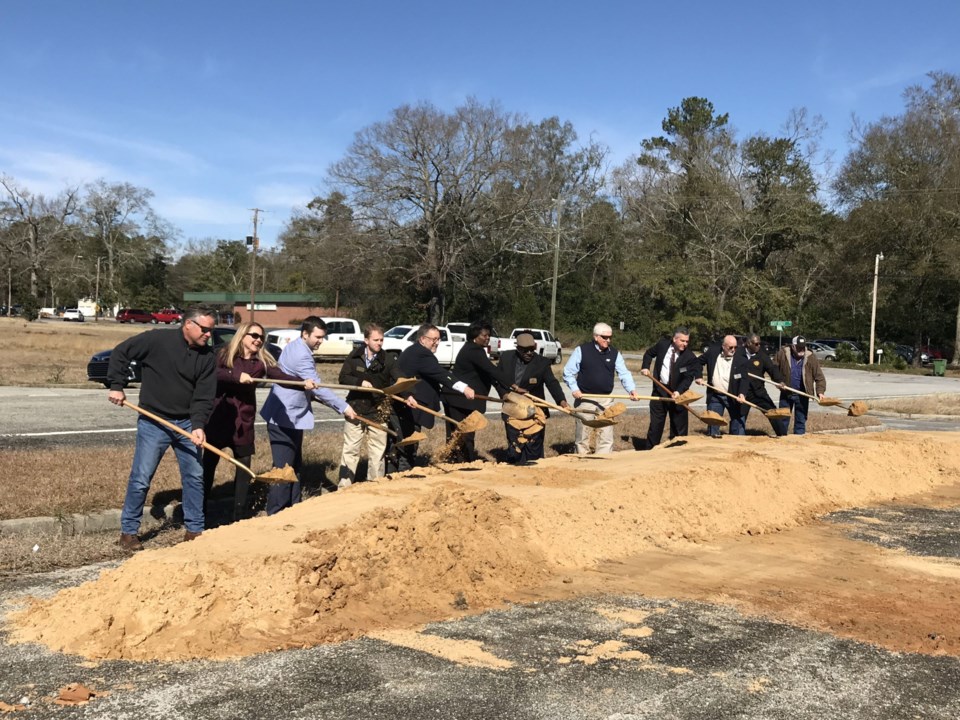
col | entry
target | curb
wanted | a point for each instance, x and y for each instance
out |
(81, 524)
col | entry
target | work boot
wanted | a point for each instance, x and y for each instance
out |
(130, 543)
(188, 536)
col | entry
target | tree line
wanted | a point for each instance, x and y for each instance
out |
(470, 213)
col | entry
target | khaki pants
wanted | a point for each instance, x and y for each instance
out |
(583, 434)
(350, 457)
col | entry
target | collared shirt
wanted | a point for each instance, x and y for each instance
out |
(572, 369)
(667, 365)
(721, 372)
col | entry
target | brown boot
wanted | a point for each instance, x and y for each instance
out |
(188, 536)
(130, 543)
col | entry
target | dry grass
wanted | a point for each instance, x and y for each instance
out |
(938, 404)
(55, 353)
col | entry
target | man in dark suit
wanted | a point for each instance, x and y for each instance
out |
(419, 361)
(473, 367)
(750, 359)
(718, 359)
(532, 373)
(674, 365)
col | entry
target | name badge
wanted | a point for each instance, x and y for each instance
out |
(737, 376)
(682, 370)
(533, 381)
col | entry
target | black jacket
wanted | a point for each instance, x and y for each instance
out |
(417, 361)
(381, 373)
(709, 361)
(475, 369)
(686, 367)
(178, 381)
(742, 383)
(537, 375)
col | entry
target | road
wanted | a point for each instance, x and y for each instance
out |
(66, 415)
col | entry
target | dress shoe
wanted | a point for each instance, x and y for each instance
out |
(188, 536)
(130, 543)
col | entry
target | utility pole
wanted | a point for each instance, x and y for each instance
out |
(556, 272)
(96, 294)
(255, 242)
(873, 312)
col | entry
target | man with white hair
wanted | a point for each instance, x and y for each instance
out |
(591, 369)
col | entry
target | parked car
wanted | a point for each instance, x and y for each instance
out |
(547, 345)
(824, 353)
(343, 336)
(132, 315)
(168, 316)
(399, 338)
(100, 362)
(73, 314)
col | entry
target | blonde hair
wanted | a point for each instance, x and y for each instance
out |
(233, 348)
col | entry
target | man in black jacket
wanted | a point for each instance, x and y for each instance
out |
(473, 367)
(675, 366)
(178, 383)
(750, 359)
(419, 361)
(532, 373)
(718, 359)
(367, 366)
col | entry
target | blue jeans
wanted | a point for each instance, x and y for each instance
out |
(152, 442)
(718, 403)
(799, 406)
(286, 447)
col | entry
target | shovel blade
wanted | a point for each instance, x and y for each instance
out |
(411, 439)
(401, 386)
(473, 422)
(687, 397)
(279, 475)
(711, 418)
(778, 413)
(857, 408)
(830, 402)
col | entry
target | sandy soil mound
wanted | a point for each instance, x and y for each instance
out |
(393, 555)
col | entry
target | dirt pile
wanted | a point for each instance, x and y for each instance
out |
(393, 555)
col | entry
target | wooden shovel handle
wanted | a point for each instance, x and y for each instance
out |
(378, 426)
(329, 386)
(428, 411)
(735, 397)
(177, 428)
(622, 396)
(788, 389)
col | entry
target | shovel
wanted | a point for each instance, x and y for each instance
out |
(854, 409)
(411, 439)
(708, 417)
(593, 422)
(473, 422)
(775, 414)
(514, 405)
(284, 474)
(401, 385)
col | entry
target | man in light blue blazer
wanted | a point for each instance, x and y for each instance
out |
(288, 411)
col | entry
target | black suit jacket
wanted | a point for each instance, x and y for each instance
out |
(475, 369)
(685, 368)
(417, 361)
(742, 383)
(709, 361)
(537, 375)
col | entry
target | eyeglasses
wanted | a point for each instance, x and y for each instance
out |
(255, 336)
(527, 349)
(433, 340)
(203, 328)
(605, 337)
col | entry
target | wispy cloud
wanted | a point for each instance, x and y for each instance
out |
(50, 172)
(195, 209)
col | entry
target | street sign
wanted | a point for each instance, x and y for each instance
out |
(781, 324)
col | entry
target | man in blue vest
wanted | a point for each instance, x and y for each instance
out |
(591, 369)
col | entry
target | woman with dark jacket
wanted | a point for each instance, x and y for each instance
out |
(473, 367)
(239, 363)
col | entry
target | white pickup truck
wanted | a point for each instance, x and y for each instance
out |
(343, 335)
(547, 345)
(399, 338)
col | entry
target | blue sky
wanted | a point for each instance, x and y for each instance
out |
(218, 107)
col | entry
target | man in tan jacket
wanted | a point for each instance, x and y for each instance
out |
(801, 371)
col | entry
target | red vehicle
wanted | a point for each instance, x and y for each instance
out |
(168, 315)
(129, 315)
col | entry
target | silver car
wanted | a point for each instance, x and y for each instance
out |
(824, 353)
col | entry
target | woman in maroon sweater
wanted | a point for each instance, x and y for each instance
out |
(239, 364)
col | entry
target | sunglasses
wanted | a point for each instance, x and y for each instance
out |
(255, 336)
(203, 328)
(527, 349)
(605, 337)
